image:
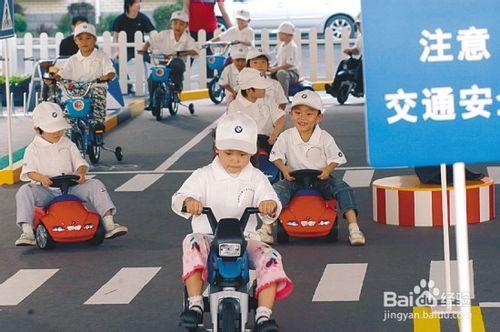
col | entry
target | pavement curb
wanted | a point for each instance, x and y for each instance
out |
(11, 176)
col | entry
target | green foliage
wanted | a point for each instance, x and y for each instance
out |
(18, 9)
(20, 24)
(64, 24)
(15, 79)
(106, 23)
(162, 14)
(82, 9)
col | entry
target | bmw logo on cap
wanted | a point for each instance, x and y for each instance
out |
(304, 96)
(238, 129)
(54, 115)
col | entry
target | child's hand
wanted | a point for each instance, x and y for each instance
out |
(104, 78)
(81, 179)
(325, 174)
(272, 139)
(53, 70)
(45, 181)
(142, 52)
(286, 174)
(268, 208)
(193, 206)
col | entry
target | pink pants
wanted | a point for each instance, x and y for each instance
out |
(266, 261)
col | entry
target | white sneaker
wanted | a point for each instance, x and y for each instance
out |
(266, 234)
(26, 239)
(356, 238)
(114, 230)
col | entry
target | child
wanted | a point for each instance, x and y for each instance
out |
(240, 34)
(87, 65)
(274, 94)
(51, 154)
(286, 69)
(307, 146)
(250, 100)
(172, 42)
(229, 76)
(229, 185)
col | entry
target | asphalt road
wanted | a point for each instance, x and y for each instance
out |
(140, 273)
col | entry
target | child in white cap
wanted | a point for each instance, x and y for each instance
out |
(172, 42)
(51, 154)
(229, 76)
(307, 146)
(286, 68)
(87, 65)
(275, 95)
(251, 101)
(229, 185)
(242, 33)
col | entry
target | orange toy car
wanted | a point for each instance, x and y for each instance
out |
(65, 219)
(308, 214)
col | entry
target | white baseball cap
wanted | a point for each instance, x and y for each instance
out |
(239, 53)
(49, 117)
(237, 131)
(179, 15)
(308, 98)
(255, 53)
(243, 14)
(287, 27)
(84, 28)
(252, 78)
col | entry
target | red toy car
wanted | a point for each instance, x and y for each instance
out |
(65, 219)
(308, 214)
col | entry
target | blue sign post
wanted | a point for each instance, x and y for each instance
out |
(433, 95)
(7, 31)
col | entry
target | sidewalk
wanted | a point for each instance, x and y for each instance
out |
(23, 133)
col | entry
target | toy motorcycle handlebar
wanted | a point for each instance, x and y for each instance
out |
(213, 221)
(162, 58)
(64, 181)
(306, 176)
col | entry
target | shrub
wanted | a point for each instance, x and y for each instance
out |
(162, 14)
(64, 24)
(20, 24)
(18, 9)
(106, 23)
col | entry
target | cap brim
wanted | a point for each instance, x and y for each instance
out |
(242, 18)
(54, 127)
(258, 84)
(233, 144)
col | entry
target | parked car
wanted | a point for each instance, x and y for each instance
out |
(321, 14)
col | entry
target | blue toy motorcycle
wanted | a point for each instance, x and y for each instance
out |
(261, 159)
(216, 62)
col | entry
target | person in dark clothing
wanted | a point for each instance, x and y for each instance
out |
(68, 46)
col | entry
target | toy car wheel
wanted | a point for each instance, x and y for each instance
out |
(228, 316)
(333, 235)
(94, 152)
(343, 93)
(157, 110)
(43, 238)
(282, 235)
(191, 108)
(216, 91)
(118, 153)
(98, 236)
(173, 107)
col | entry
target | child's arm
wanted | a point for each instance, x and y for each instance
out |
(145, 48)
(325, 172)
(82, 171)
(279, 125)
(230, 89)
(43, 179)
(190, 194)
(186, 53)
(278, 157)
(107, 77)
(267, 200)
(193, 206)
(284, 169)
(334, 157)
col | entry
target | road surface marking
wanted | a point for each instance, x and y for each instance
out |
(489, 304)
(124, 286)
(436, 274)
(142, 181)
(341, 282)
(359, 178)
(15, 289)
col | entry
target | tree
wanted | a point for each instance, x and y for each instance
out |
(162, 14)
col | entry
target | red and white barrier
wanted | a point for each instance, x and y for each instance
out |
(403, 201)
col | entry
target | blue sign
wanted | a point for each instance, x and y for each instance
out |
(432, 83)
(6, 19)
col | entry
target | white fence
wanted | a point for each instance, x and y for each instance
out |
(24, 52)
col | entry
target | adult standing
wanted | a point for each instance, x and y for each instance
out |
(202, 17)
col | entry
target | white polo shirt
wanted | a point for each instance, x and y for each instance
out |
(287, 54)
(165, 42)
(235, 34)
(85, 69)
(226, 194)
(319, 152)
(264, 113)
(51, 159)
(275, 93)
(229, 77)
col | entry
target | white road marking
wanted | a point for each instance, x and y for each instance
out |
(142, 181)
(494, 173)
(124, 286)
(15, 289)
(90, 176)
(359, 178)
(436, 274)
(489, 304)
(341, 282)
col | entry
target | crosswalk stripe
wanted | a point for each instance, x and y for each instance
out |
(359, 178)
(124, 286)
(142, 181)
(15, 289)
(425, 321)
(436, 274)
(489, 304)
(341, 282)
(477, 320)
(494, 173)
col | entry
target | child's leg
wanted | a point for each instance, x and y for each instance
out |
(98, 94)
(152, 84)
(272, 282)
(284, 78)
(177, 69)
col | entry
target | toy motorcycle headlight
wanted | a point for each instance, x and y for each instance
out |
(229, 250)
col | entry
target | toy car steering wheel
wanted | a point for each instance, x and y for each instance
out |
(306, 176)
(63, 182)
